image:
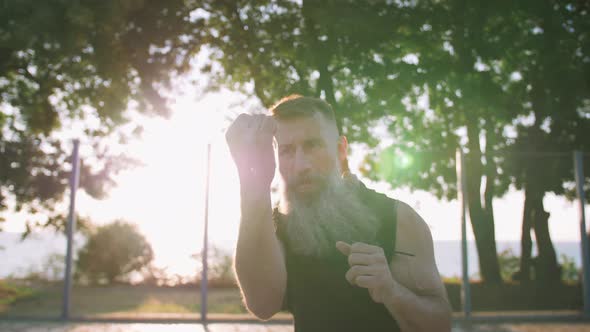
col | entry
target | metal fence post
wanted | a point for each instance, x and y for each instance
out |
(70, 229)
(579, 176)
(205, 241)
(462, 198)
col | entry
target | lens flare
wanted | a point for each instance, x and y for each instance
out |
(390, 162)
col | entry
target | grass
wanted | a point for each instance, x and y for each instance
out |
(11, 293)
(124, 299)
(45, 300)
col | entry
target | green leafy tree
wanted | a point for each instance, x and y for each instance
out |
(82, 64)
(553, 44)
(373, 61)
(112, 252)
(431, 75)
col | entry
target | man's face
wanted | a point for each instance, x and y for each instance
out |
(307, 154)
(321, 207)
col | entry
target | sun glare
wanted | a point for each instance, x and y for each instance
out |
(166, 197)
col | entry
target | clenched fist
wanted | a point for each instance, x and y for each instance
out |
(368, 269)
(250, 141)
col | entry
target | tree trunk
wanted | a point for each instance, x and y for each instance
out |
(547, 270)
(482, 220)
(526, 244)
(483, 231)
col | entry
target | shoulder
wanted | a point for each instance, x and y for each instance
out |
(413, 233)
(418, 272)
(410, 223)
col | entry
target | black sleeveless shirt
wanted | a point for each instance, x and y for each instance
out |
(318, 294)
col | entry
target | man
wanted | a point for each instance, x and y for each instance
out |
(338, 256)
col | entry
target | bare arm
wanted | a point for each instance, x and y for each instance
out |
(259, 259)
(409, 287)
(418, 299)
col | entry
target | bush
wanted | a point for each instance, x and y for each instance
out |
(10, 293)
(112, 252)
(509, 264)
(220, 272)
(569, 270)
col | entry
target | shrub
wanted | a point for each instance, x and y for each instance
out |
(10, 293)
(509, 264)
(220, 272)
(112, 252)
(569, 271)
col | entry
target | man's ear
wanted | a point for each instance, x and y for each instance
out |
(343, 154)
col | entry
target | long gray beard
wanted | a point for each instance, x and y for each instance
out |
(337, 214)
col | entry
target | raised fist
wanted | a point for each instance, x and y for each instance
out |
(250, 141)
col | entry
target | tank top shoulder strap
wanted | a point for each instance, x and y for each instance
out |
(279, 224)
(386, 209)
(389, 229)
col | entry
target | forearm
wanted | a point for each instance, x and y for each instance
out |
(259, 265)
(418, 313)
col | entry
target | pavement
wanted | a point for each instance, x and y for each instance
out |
(13, 326)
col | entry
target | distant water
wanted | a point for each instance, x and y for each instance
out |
(18, 258)
(448, 254)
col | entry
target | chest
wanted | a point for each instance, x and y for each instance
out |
(319, 296)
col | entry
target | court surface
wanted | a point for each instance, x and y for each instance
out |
(8, 326)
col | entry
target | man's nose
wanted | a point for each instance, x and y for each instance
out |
(302, 162)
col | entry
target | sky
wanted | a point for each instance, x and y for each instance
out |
(165, 197)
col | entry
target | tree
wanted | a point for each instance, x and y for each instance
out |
(81, 64)
(373, 72)
(435, 75)
(553, 45)
(112, 252)
(432, 75)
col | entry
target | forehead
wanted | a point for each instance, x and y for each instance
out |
(300, 128)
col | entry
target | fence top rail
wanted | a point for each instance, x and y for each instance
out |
(503, 153)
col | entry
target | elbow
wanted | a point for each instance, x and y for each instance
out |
(263, 304)
(264, 315)
(262, 312)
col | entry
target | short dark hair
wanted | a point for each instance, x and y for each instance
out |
(297, 105)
